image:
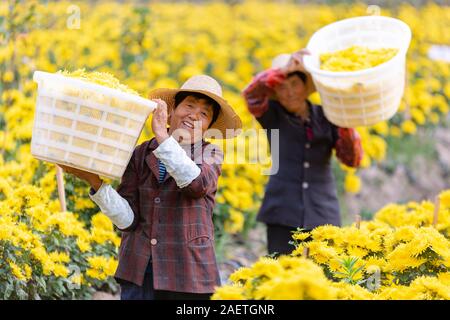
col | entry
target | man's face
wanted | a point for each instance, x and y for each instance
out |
(290, 92)
(190, 119)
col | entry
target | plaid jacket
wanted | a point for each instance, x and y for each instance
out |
(173, 226)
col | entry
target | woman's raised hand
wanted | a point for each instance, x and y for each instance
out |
(296, 61)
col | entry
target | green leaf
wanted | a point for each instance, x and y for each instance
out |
(8, 290)
(21, 293)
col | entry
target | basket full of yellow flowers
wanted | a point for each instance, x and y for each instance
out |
(87, 120)
(358, 68)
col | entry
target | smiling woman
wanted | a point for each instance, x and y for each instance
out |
(193, 114)
(202, 96)
(209, 109)
(162, 164)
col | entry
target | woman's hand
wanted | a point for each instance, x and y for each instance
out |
(256, 92)
(348, 147)
(296, 62)
(159, 121)
(91, 178)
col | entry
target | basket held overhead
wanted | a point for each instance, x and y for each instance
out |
(363, 97)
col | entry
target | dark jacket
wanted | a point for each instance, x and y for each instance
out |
(302, 193)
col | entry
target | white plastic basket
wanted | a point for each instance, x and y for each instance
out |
(85, 125)
(364, 97)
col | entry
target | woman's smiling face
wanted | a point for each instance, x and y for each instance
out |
(190, 119)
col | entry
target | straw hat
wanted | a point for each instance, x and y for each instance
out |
(282, 60)
(227, 118)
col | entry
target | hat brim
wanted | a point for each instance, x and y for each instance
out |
(282, 60)
(227, 118)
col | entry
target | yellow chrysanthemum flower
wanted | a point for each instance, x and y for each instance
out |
(355, 58)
